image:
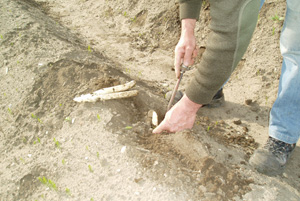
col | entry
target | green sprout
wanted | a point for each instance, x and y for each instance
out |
(128, 127)
(208, 128)
(68, 119)
(277, 18)
(125, 14)
(22, 160)
(9, 111)
(273, 31)
(63, 161)
(90, 168)
(57, 144)
(127, 70)
(98, 117)
(35, 117)
(24, 140)
(133, 19)
(89, 49)
(68, 192)
(87, 147)
(98, 154)
(1, 36)
(48, 182)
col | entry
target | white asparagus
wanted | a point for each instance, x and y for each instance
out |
(109, 93)
(154, 119)
(118, 95)
(118, 88)
(95, 97)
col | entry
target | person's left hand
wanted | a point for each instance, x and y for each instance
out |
(181, 116)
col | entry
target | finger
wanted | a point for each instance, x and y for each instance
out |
(161, 127)
(187, 60)
(195, 52)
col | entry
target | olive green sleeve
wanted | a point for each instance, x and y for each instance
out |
(190, 9)
(231, 28)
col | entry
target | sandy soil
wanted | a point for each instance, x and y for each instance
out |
(53, 148)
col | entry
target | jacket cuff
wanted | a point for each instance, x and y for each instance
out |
(190, 9)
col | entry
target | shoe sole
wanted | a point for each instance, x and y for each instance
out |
(266, 163)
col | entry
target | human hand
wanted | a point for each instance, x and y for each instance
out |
(186, 49)
(181, 116)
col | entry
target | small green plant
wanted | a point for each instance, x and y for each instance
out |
(98, 117)
(276, 18)
(273, 31)
(98, 154)
(57, 144)
(38, 140)
(22, 160)
(125, 14)
(208, 128)
(1, 36)
(127, 70)
(128, 127)
(68, 119)
(133, 19)
(48, 182)
(68, 192)
(90, 168)
(87, 147)
(24, 140)
(35, 117)
(63, 161)
(258, 72)
(92, 199)
(89, 49)
(9, 111)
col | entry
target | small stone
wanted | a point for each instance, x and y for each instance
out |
(237, 122)
(245, 129)
(248, 101)
(137, 180)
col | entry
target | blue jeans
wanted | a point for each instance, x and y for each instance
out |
(285, 114)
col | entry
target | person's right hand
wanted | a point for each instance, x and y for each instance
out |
(181, 116)
(186, 49)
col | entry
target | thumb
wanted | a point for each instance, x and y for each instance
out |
(160, 128)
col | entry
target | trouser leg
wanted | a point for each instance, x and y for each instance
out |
(285, 114)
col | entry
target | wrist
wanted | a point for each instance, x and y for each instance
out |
(190, 105)
(188, 27)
